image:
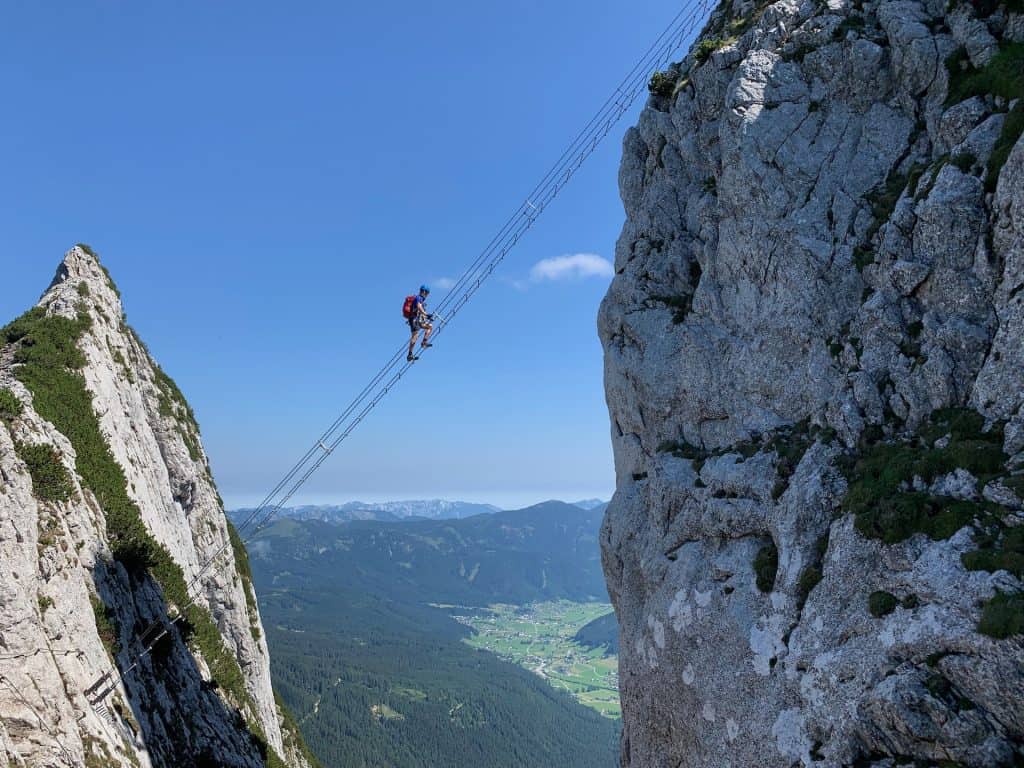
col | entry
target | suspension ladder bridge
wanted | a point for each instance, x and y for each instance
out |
(660, 54)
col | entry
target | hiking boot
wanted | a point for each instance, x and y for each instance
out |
(411, 358)
(425, 345)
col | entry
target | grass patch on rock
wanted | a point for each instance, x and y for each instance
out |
(810, 577)
(1003, 76)
(863, 256)
(898, 518)
(999, 549)
(789, 443)
(1013, 129)
(49, 363)
(245, 572)
(726, 26)
(709, 45)
(881, 492)
(882, 496)
(172, 404)
(883, 200)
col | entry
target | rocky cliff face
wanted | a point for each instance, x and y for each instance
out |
(815, 376)
(107, 511)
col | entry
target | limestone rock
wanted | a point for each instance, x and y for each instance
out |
(811, 199)
(57, 571)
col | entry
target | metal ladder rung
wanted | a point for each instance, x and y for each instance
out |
(152, 633)
(90, 692)
(105, 713)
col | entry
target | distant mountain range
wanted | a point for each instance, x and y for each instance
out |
(590, 504)
(387, 511)
(548, 551)
(396, 511)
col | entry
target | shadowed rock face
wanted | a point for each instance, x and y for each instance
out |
(56, 564)
(818, 256)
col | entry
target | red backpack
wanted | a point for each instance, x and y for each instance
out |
(407, 307)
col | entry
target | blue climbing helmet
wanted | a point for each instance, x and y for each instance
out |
(424, 289)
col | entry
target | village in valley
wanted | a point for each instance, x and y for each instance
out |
(542, 637)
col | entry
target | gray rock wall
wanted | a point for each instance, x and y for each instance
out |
(55, 561)
(816, 260)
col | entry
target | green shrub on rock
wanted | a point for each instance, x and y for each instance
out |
(881, 603)
(810, 577)
(766, 565)
(662, 84)
(10, 406)
(998, 551)
(1003, 76)
(880, 493)
(1003, 616)
(50, 479)
(106, 626)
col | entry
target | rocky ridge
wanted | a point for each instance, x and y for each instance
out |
(813, 366)
(107, 511)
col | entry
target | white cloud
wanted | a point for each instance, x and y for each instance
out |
(443, 283)
(572, 267)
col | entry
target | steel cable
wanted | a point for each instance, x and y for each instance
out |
(470, 281)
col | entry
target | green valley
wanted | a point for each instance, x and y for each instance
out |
(541, 637)
(443, 642)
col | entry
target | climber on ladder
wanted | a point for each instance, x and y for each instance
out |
(415, 311)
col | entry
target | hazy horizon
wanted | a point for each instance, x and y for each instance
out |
(506, 500)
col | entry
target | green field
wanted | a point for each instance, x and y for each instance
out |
(539, 637)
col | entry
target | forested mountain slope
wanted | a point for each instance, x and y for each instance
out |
(377, 675)
(543, 552)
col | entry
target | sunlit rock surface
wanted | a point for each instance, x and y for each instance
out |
(818, 256)
(55, 562)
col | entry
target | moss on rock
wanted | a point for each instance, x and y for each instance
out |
(882, 603)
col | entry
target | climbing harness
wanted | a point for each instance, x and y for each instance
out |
(657, 57)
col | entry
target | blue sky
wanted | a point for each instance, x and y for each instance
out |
(267, 182)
